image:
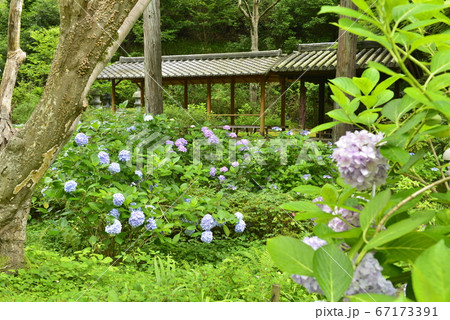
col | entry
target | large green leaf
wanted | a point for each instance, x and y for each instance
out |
(396, 108)
(307, 189)
(346, 85)
(395, 154)
(440, 62)
(375, 297)
(333, 271)
(432, 39)
(373, 208)
(430, 276)
(407, 248)
(406, 11)
(291, 255)
(324, 126)
(340, 115)
(346, 12)
(399, 229)
(356, 28)
(329, 194)
(304, 206)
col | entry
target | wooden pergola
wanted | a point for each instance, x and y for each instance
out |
(314, 62)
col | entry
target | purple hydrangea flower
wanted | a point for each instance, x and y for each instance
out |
(337, 224)
(169, 142)
(187, 200)
(213, 140)
(118, 199)
(137, 218)
(114, 228)
(305, 132)
(240, 226)
(132, 128)
(326, 176)
(235, 164)
(226, 127)
(212, 172)
(151, 224)
(223, 169)
(114, 213)
(239, 215)
(244, 142)
(124, 155)
(289, 133)
(81, 139)
(70, 186)
(367, 278)
(434, 169)
(207, 222)
(314, 242)
(208, 133)
(181, 142)
(103, 157)
(114, 168)
(207, 236)
(360, 161)
(222, 177)
(232, 187)
(232, 135)
(276, 128)
(306, 176)
(182, 149)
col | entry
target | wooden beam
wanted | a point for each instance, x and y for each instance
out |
(232, 111)
(113, 95)
(283, 101)
(322, 102)
(208, 99)
(302, 108)
(262, 105)
(185, 94)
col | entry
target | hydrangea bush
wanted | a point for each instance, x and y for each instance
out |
(368, 243)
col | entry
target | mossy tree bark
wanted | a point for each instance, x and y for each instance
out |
(90, 33)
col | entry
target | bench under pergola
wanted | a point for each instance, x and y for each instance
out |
(314, 62)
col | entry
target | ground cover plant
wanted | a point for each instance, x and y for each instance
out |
(370, 244)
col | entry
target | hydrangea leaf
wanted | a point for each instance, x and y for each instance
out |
(307, 189)
(375, 297)
(333, 271)
(373, 208)
(291, 255)
(399, 229)
(430, 276)
(329, 194)
(395, 154)
(324, 126)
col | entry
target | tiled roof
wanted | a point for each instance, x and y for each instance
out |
(323, 57)
(196, 66)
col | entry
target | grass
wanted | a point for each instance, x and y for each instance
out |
(191, 271)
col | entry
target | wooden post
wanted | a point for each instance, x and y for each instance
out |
(208, 99)
(185, 94)
(275, 293)
(113, 95)
(232, 101)
(262, 104)
(143, 95)
(302, 109)
(283, 101)
(321, 102)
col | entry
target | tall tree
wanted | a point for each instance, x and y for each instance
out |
(252, 15)
(90, 33)
(152, 59)
(346, 64)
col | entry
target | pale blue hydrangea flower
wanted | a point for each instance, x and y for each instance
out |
(115, 213)
(182, 149)
(276, 128)
(70, 186)
(239, 215)
(151, 224)
(305, 132)
(306, 176)
(212, 172)
(132, 128)
(81, 139)
(124, 155)
(207, 236)
(103, 157)
(223, 169)
(169, 142)
(326, 176)
(289, 133)
(240, 226)
(226, 127)
(138, 173)
(222, 177)
(118, 199)
(360, 161)
(434, 169)
(187, 199)
(235, 164)
(232, 187)
(114, 228)
(232, 135)
(114, 168)
(181, 142)
(207, 222)
(137, 218)
(213, 139)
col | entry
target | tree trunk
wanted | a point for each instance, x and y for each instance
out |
(346, 65)
(91, 32)
(15, 59)
(152, 59)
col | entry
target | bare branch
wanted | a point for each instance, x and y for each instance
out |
(245, 13)
(269, 7)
